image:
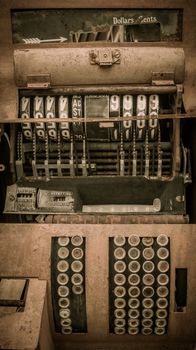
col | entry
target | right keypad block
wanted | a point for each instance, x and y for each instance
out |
(139, 284)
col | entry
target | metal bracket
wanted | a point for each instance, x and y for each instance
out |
(105, 57)
(41, 81)
(163, 78)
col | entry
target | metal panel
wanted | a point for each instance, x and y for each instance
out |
(70, 65)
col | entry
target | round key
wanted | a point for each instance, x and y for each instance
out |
(133, 331)
(134, 279)
(77, 289)
(62, 278)
(146, 330)
(62, 266)
(160, 322)
(63, 291)
(163, 266)
(64, 303)
(162, 279)
(66, 330)
(148, 266)
(66, 322)
(133, 323)
(119, 303)
(119, 279)
(119, 330)
(63, 241)
(133, 303)
(162, 303)
(76, 266)
(134, 266)
(77, 240)
(147, 313)
(159, 330)
(148, 303)
(119, 253)
(161, 313)
(119, 291)
(133, 313)
(147, 323)
(134, 253)
(77, 279)
(134, 240)
(119, 241)
(64, 313)
(119, 266)
(162, 291)
(77, 253)
(119, 322)
(148, 279)
(148, 253)
(63, 252)
(134, 292)
(147, 241)
(162, 240)
(148, 292)
(119, 313)
(163, 253)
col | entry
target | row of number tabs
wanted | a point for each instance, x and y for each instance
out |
(89, 106)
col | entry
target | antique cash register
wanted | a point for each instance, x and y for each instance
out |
(97, 175)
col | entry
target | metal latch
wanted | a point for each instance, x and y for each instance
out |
(105, 57)
(163, 78)
(41, 81)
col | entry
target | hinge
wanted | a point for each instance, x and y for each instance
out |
(163, 78)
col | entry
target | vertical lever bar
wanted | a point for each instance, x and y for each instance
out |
(159, 153)
(147, 156)
(122, 155)
(153, 112)
(134, 169)
(59, 170)
(176, 131)
(34, 165)
(84, 163)
(71, 161)
(141, 112)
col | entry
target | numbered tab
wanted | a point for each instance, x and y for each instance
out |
(127, 112)
(38, 113)
(25, 114)
(77, 113)
(63, 113)
(50, 113)
(141, 112)
(153, 111)
(115, 112)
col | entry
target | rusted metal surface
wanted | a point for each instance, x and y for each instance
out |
(103, 89)
(8, 90)
(68, 66)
